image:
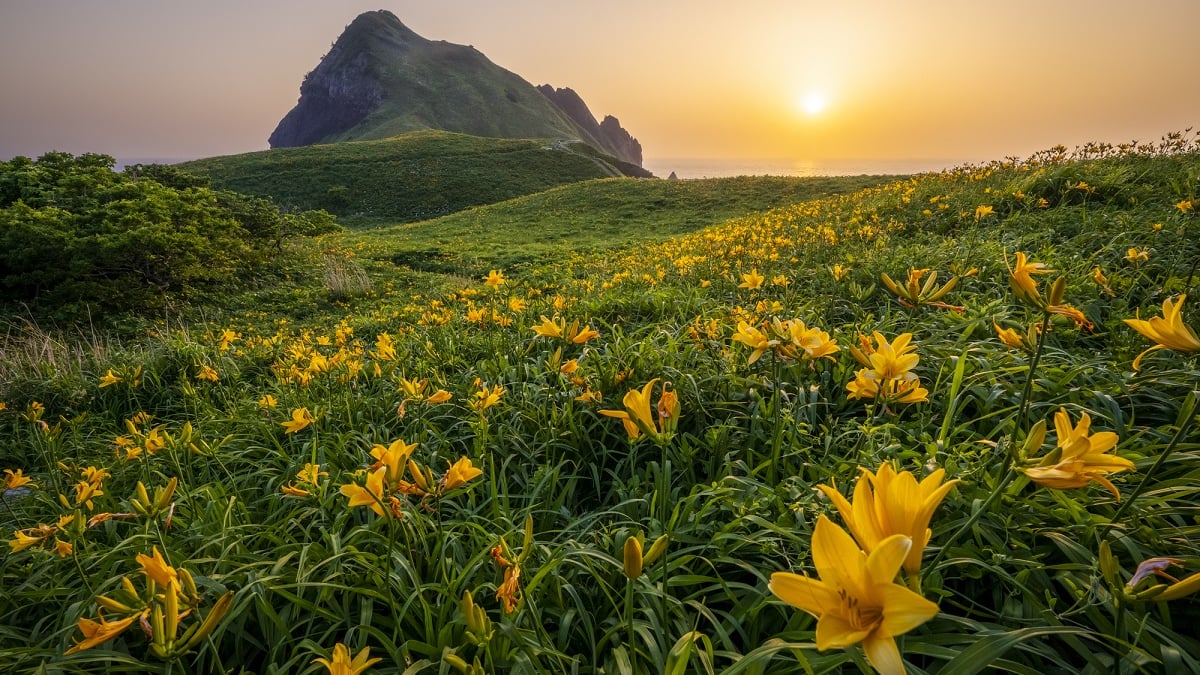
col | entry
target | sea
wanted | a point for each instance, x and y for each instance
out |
(691, 167)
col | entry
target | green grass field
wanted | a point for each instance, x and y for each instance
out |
(644, 376)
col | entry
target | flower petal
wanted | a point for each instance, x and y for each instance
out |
(806, 593)
(884, 655)
(834, 632)
(903, 610)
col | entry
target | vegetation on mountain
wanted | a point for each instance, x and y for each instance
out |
(737, 450)
(412, 177)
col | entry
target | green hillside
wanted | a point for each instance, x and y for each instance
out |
(585, 218)
(411, 177)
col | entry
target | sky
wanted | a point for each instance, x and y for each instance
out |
(961, 80)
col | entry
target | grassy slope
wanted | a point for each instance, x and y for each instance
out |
(586, 217)
(411, 177)
(753, 440)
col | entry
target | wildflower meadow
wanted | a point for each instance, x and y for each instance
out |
(945, 424)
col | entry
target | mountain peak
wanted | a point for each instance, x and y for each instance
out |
(381, 79)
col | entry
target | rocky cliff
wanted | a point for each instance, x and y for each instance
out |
(381, 79)
(608, 135)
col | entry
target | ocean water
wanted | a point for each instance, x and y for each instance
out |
(718, 168)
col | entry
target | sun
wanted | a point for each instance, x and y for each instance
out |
(813, 103)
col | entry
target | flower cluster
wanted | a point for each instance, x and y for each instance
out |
(887, 373)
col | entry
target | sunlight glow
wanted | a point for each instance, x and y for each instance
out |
(814, 102)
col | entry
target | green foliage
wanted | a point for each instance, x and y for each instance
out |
(78, 240)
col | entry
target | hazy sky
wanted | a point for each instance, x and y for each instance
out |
(954, 79)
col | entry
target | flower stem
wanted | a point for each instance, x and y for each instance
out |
(629, 617)
(777, 436)
(665, 510)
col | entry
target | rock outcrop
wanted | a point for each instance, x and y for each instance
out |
(381, 79)
(608, 135)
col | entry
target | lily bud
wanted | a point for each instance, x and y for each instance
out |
(633, 557)
(1058, 290)
(656, 550)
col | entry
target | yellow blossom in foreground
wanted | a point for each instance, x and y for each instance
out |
(1169, 330)
(267, 402)
(1184, 205)
(459, 473)
(839, 272)
(301, 418)
(342, 664)
(856, 598)
(752, 280)
(887, 503)
(982, 212)
(207, 373)
(1079, 459)
(494, 278)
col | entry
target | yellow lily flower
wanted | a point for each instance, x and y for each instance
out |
(33, 536)
(752, 280)
(99, 632)
(855, 599)
(754, 339)
(637, 418)
(342, 664)
(459, 473)
(494, 278)
(1009, 336)
(887, 503)
(13, 481)
(549, 328)
(155, 567)
(372, 495)
(394, 458)
(839, 272)
(1169, 331)
(110, 379)
(1021, 278)
(1137, 255)
(486, 398)
(1080, 458)
(801, 342)
(301, 418)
